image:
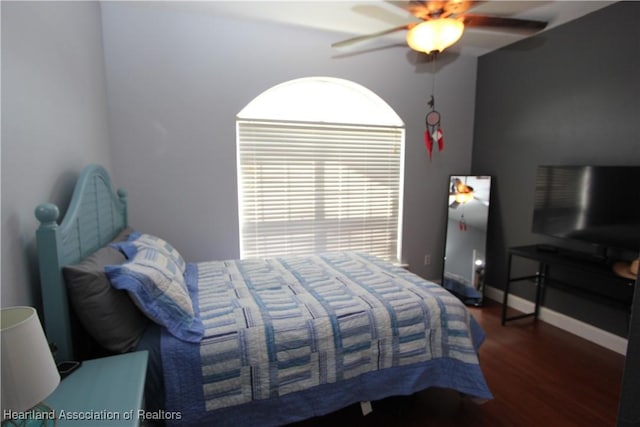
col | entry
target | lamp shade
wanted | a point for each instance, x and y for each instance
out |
(29, 373)
(435, 35)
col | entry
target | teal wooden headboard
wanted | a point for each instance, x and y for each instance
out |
(94, 217)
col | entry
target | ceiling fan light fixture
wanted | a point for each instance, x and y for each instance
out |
(463, 198)
(435, 35)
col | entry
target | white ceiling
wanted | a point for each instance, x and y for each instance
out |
(353, 18)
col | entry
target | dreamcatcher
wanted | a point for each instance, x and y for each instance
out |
(433, 132)
(462, 224)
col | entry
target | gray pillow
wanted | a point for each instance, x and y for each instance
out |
(107, 314)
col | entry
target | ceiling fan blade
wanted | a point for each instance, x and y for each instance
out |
(370, 36)
(528, 25)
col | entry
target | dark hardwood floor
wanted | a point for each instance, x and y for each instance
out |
(539, 376)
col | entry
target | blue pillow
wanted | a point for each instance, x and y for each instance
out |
(156, 284)
(139, 240)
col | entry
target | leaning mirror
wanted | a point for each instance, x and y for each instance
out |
(466, 238)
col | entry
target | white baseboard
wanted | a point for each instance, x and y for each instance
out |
(583, 330)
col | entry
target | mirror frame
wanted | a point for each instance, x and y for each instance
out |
(468, 288)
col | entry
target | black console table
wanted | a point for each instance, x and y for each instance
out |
(602, 285)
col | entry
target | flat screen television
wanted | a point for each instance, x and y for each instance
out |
(599, 205)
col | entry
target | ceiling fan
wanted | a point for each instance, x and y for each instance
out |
(461, 193)
(444, 21)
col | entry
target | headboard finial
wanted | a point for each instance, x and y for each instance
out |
(47, 214)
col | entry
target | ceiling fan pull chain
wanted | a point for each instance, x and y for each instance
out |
(434, 55)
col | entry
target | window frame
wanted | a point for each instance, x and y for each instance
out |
(262, 112)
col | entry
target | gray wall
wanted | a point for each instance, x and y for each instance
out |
(151, 92)
(568, 96)
(54, 121)
(177, 79)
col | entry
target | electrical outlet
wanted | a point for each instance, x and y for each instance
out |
(427, 259)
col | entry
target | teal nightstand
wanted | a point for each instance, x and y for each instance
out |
(102, 392)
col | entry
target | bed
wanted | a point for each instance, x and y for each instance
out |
(246, 342)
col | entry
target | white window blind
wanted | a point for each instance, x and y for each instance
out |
(308, 188)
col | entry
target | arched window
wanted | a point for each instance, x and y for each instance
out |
(320, 168)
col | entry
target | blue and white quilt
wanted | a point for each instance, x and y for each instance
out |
(295, 337)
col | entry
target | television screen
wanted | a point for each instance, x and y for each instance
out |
(594, 204)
